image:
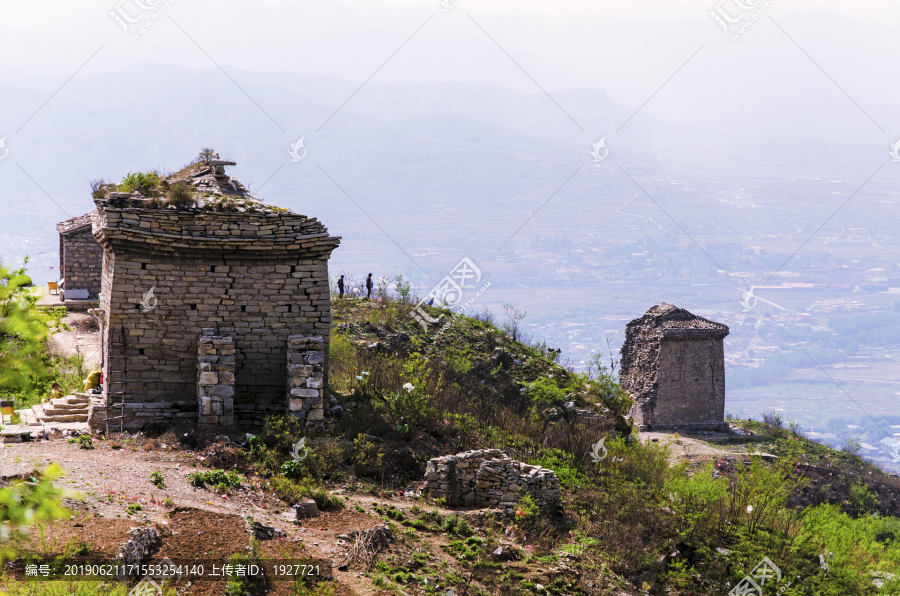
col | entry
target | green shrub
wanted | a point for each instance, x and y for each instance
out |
(293, 492)
(219, 478)
(25, 503)
(156, 478)
(134, 508)
(862, 500)
(366, 459)
(564, 464)
(544, 393)
(85, 442)
(458, 525)
(142, 182)
(526, 509)
(180, 196)
(256, 445)
(293, 469)
(26, 370)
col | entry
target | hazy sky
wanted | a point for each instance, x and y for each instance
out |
(626, 48)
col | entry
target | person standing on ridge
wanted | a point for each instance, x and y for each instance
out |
(369, 287)
(341, 286)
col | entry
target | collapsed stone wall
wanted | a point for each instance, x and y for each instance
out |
(263, 277)
(639, 367)
(306, 378)
(215, 379)
(81, 257)
(490, 478)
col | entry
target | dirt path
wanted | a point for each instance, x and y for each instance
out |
(682, 448)
(83, 340)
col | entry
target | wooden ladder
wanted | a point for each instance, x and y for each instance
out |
(110, 403)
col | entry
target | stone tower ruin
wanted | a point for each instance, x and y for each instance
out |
(215, 308)
(673, 366)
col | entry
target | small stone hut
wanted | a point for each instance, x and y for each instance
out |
(80, 256)
(673, 366)
(215, 308)
(490, 478)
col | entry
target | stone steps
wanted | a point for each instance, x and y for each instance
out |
(48, 415)
(28, 418)
(68, 409)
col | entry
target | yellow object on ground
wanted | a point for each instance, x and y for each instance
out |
(92, 381)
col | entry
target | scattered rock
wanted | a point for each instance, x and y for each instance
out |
(306, 509)
(262, 531)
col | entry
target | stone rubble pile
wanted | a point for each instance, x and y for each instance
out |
(459, 471)
(262, 531)
(133, 551)
(306, 378)
(490, 478)
(215, 381)
(502, 481)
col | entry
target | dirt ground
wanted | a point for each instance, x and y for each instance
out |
(83, 340)
(693, 447)
(194, 523)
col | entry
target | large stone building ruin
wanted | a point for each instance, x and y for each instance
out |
(80, 258)
(214, 310)
(673, 366)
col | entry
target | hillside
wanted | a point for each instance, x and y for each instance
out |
(658, 514)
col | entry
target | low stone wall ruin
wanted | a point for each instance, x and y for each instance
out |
(215, 379)
(490, 478)
(306, 378)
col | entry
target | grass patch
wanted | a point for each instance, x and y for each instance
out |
(219, 478)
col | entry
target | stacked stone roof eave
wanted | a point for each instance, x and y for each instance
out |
(187, 232)
(667, 321)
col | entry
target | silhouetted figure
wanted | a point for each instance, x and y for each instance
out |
(341, 286)
(369, 287)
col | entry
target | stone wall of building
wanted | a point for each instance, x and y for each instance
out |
(692, 388)
(81, 257)
(258, 275)
(306, 378)
(673, 366)
(215, 379)
(490, 478)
